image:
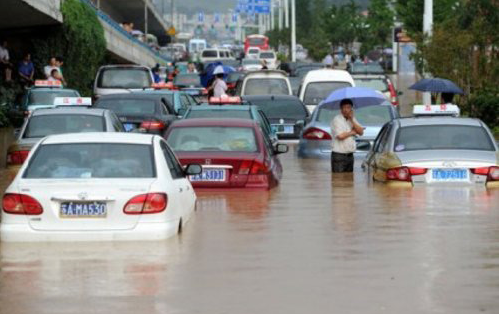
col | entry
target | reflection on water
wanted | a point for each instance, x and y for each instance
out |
(319, 243)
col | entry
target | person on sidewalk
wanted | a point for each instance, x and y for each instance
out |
(26, 70)
(344, 128)
(5, 63)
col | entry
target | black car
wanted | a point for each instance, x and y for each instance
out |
(145, 112)
(287, 114)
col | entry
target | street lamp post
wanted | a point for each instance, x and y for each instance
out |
(286, 14)
(293, 30)
(427, 30)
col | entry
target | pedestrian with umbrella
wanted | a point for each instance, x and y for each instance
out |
(219, 87)
(446, 87)
(344, 126)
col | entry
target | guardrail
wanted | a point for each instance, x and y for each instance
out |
(117, 27)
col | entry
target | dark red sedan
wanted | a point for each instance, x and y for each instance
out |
(234, 153)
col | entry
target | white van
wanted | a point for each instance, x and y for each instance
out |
(214, 54)
(115, 79)
(318, 84)
(196, 46)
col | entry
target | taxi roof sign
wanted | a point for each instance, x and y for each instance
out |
(72, 101)
(436, 110)
(46, 83)
(233, 100)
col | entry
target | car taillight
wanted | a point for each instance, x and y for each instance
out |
(404, 173)
(316, 134)
(245, 167)
(21, 204)
(17, 157)
(151, 203)
(259, 168)
(492, 172)
(152, 125)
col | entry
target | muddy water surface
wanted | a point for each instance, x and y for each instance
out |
(319, 243)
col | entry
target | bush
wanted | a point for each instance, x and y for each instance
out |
(485, 106)
(81, 43)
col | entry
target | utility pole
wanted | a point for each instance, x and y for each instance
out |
(427, 30)
(286, 14)
(146, 17)
(281, 15)
(172, 13)
(293, 30)
(272, 15)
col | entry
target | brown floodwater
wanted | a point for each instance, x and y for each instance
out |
(319, 243)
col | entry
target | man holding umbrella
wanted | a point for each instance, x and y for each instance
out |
(344, 128)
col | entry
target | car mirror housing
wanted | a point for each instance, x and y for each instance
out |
(193, 169)
(281, 149)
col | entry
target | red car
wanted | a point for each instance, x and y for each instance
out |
(234, 153)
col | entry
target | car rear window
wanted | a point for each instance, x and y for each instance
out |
(187, 80)
(44, 125)
(367, 116)
(124, 78)
(228, 139)
(318, 91)
(372, 83)
(91, 160)
(367, 68)
(251, 62)
(128, 106)
(216, 114)
(210, 54)
(47, 97)
(267, 55)
(274, 109)
(435, 137)
(266, 86)
(253, 51)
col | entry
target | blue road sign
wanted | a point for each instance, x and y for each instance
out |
(201, 17)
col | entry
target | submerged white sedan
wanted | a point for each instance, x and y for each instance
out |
(98, 187)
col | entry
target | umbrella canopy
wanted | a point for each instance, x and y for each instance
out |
(210, 70)
(437, 85)
(360, 96)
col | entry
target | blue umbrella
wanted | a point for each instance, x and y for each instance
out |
(208, 75)
(360, 96)
(437, 85)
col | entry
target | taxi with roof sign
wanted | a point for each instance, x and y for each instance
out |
(436, 110)
(74, 117)
(435, 148)
(43, 94)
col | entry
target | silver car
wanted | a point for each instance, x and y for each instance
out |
(434, 151)
(315, 140)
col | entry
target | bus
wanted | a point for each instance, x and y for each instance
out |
(259, 41)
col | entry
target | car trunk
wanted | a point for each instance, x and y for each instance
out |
(56, 195)
(228, 162)
(286, 127)
(131, 122)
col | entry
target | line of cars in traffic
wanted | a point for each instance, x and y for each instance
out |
(105, 184)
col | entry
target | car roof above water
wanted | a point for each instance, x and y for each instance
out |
(100, 137)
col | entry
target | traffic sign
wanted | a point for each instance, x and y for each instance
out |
(201, 17)
(172, 31)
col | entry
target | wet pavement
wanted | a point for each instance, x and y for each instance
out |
(319, 243)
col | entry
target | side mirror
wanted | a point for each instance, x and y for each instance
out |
(363, 146)
(193, 169)
(400, 93)
(281, 149)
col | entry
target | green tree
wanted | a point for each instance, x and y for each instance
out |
(379, 23)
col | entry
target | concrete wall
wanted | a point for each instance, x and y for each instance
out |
(50, 7)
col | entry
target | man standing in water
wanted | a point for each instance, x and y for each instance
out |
(344, 128)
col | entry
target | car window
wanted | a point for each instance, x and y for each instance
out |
(266, 86)
(127, 106)
(318, 91)
(282, 108)
(443, 137)
(379, 136)
(117, 125)
(367, 116)
(378, 84)
(48, 97)
(264, 122)
(124, 78)
(229, 139)
(219, 114)
(267, 55)
(383, 140)
(44, 125)
(91, 160)
(172, 161)
(187, 80)
(210, 54)
(186, 102)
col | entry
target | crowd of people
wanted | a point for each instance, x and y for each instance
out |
(24, 71)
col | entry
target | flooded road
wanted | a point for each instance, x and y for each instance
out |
(319, 243)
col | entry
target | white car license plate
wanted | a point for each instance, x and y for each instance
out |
(449, 175)
(209, 175)
(83, 210)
